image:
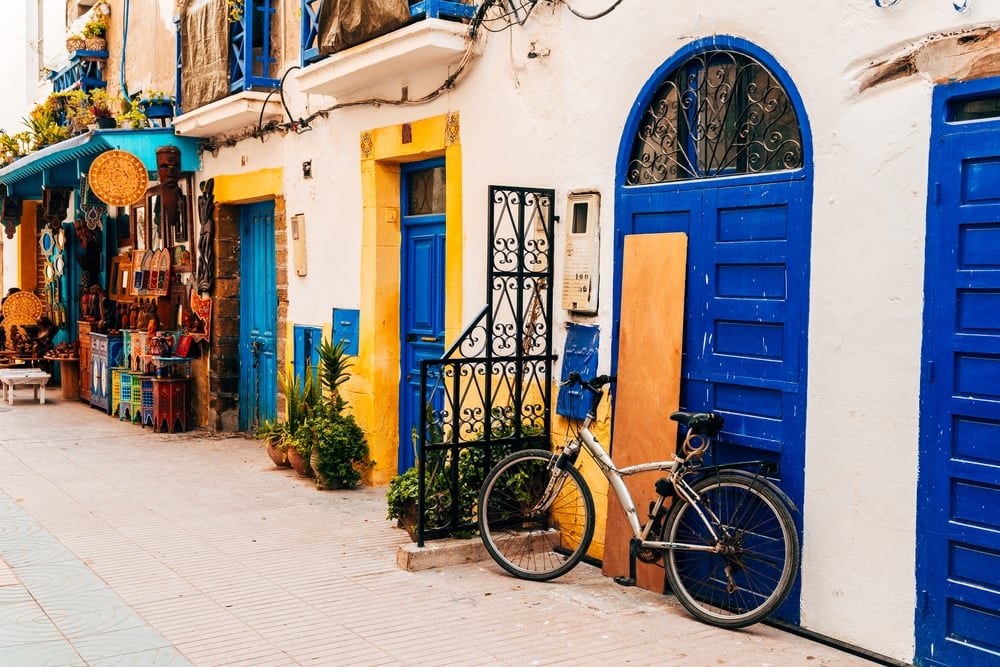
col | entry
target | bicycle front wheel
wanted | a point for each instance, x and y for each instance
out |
(535, 520)
(756, 555)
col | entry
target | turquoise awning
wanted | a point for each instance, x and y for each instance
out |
(60, 165)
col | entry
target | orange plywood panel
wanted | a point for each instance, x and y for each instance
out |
(649, 376)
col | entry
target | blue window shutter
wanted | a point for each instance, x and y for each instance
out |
(580, 356)
(306, 342)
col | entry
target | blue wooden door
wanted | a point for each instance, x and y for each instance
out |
(745, 314)
(421, 293)
(958, 500)
(258, 316)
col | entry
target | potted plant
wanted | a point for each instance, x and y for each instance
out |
(100, 106)
(95, 31)
(403, 497)
(280, 436)
(75, 42)
(337, 446)
(132, 118)
(76, 105)
(157, 104)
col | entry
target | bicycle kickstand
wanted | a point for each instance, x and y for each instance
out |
(633, 549)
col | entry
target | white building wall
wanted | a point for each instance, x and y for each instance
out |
(556, 121)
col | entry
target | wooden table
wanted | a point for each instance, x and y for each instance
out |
(69, 376)
(10, 378)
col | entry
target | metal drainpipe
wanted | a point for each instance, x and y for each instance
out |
(124, 44)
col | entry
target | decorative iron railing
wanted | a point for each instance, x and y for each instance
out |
(419, 9)
(491, 393)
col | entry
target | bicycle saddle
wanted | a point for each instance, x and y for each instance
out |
(702, 423)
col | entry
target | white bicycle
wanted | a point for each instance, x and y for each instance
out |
(726, 533)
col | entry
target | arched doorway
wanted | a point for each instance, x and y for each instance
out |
(718, 147)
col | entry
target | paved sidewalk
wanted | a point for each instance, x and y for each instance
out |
(120, 546)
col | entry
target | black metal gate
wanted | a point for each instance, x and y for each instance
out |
(490, 394)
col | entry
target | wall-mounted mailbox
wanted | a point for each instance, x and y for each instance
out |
(580, 273)
(345, 328)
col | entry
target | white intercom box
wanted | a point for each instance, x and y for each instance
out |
(580, 270)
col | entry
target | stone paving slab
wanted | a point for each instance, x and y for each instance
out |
(121, 546)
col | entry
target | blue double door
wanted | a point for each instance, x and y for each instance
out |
(745, 312)
(958, 498)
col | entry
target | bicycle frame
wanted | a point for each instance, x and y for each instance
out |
(616, 479)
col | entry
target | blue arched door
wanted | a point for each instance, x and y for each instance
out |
(717, 149)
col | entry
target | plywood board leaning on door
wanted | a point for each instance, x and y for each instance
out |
(650, 334)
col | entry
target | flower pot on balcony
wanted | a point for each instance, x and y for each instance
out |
(96, 44)
(106, 123)
(75, 44)
(158, 109)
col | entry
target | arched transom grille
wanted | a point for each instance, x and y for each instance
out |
(721, 113)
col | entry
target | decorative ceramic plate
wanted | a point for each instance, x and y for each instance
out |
(118, 178)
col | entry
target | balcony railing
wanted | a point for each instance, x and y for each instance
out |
(253, 61)
(419, 9)
(85, 71)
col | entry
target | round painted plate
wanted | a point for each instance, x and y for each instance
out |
(118, 178)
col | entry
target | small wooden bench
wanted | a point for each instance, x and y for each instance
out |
(13, 377)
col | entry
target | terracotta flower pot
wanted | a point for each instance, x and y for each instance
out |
(300, 463)
(278, 456)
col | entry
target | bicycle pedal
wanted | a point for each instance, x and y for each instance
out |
(625, 581)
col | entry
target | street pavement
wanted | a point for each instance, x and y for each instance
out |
(121, 546)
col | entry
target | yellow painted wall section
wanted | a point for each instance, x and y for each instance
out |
(27, 247)
(249, 187)
(383, 150)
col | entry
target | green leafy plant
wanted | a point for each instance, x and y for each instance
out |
(133, 117)
(102, 103)
(337, 446)
(301, 396)
(339, 449)
(157, 97)
(334, 363)
(97, 26)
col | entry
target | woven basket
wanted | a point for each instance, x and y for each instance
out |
(75, 44)
(96, 44)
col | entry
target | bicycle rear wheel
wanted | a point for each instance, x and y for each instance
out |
(758, 551)
(527, 536)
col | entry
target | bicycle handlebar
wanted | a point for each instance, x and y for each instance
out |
(594, 384)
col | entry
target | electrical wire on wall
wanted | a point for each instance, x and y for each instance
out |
(491, 16)
(592, 17)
